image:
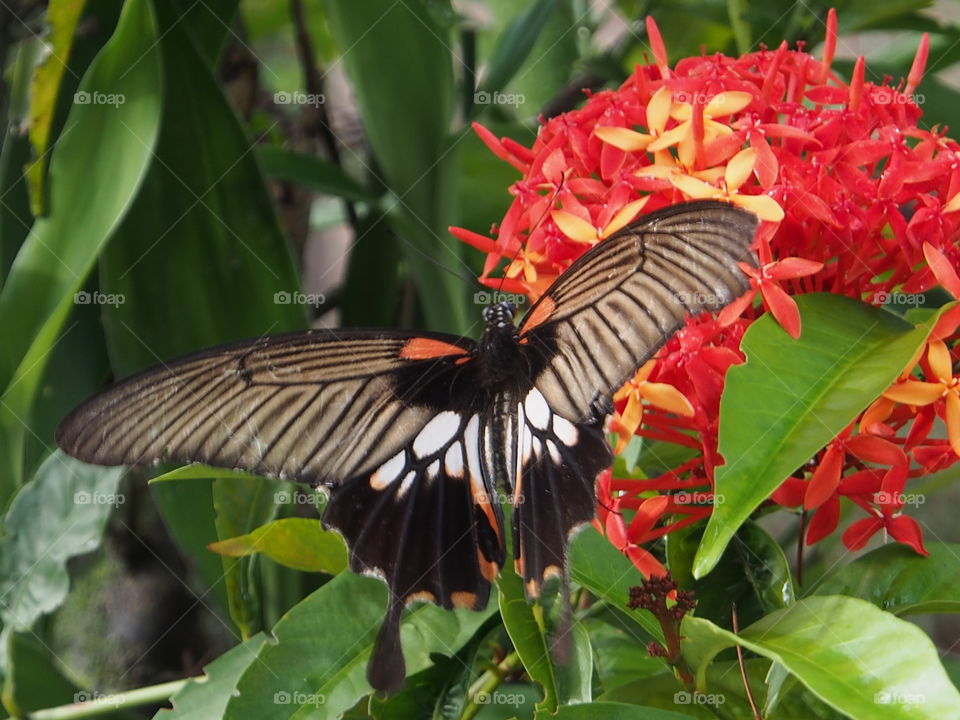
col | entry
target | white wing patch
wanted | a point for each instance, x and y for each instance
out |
(537, 410)
(389, 471)
(436, 434)
(565, 431)
(405, 485)
(453, 462)
(471, 438)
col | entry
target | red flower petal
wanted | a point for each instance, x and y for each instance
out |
(783, 307)
(824, 520)
(907, 530)
(860, 532)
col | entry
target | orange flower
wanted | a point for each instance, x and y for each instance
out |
(637, 390)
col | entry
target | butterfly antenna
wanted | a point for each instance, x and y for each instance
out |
(467, 278)
(556, 192)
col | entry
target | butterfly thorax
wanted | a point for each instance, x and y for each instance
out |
(498, 350)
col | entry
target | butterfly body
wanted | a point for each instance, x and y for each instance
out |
(414, 434)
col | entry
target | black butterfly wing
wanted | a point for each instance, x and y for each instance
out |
(589, 333)
(389, 423)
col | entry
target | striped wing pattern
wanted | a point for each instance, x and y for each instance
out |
(620, 302)
(319, 407)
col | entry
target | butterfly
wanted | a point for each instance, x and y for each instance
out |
(413, 433)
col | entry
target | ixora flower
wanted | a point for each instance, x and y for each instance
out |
(854, 198)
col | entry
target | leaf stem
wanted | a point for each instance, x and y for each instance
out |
(488, 682)
(107, 704)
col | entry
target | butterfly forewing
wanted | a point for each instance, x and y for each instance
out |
(621, 301)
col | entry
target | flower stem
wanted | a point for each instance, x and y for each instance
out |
(488, 682)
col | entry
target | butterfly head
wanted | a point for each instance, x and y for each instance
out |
(499, 315)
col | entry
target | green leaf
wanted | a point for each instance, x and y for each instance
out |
(525, 625)
(575, 676)
(60, 514)
(62, 20)
(855, 657)
(298, 543)
(311, 172)
(195, 471)
(611, 711)
(328, 638)
(515, 43)
(618, 657)
(397, 56)
(791, 397)
(241, 505)
(607, 573)
(896, 579)
(202, 236)
(112, 143)
(205, 697)
(752, 574)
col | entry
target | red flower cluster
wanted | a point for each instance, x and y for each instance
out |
(854, 198)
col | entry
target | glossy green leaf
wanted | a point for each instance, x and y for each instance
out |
(198, 470)
(311, 172)
(515, 43)
(398, 57)
(205, 697)
(58, 515)
(298, 543)
(612, 711)
(101, 140)
(525, 625)
(328, 638)
(209, 24)
(619, 658)
(62, 20)
(791, 397)
(575, 676)
(753, 575)
(607, 573)
(896, 579)
(199, 258)
(242, 506)
(861, 660)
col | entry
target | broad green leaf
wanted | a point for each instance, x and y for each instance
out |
(791, 397)
(855, 657)
(618, 657)
(60, 514)
(194, 471)
(113, 142)
(896, 579)
(526, 627)
(240, 507)
(311, 172)
(199, 259)
(205, 697)
(607, 573)
(753, 574)
(397, 55)
(298, 543)
(612, 711)
(328, 638)
(209, 24)
(723, 695)
(515, 43)
(575, 676)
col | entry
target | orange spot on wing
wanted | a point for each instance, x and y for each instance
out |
(426, 349)
(488, 568)
(421, 596)
(540, 313)
(464, 600)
